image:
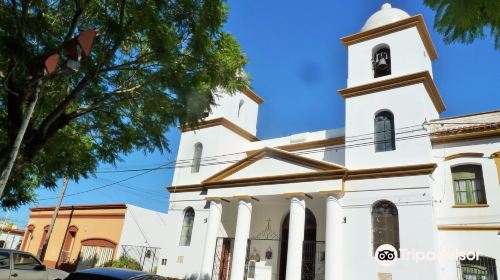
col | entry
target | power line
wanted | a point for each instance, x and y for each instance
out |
(186, 163)
(215, 157)
(110, 184)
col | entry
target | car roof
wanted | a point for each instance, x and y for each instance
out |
(13, 251)
(117, 273)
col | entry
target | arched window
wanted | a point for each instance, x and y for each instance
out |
(42, 240)
(69, 240)
(468, 184)
(239, 106)
(385, 224)
(381, 60)
(384, 132)
(187, 227)
(27, 237)
(198, 149)
(484, 268)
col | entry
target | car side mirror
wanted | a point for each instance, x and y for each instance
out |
(40, 267)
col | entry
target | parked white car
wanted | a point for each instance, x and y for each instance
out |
(18, 265)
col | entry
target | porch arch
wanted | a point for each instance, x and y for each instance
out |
(308, 255)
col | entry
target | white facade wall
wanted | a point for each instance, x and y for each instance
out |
(412, 196)
(229, 108)
(143, 230)
(487, 243)
(12, 240)
(411, 107)
(216, 141)
(143, 227)
(184, 261)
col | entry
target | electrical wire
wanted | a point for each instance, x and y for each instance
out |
(186, 163)
(108, 185)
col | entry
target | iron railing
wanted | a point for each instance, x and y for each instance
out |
(146, 257)
(483, 268)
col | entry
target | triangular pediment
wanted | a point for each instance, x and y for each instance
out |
(269, 162)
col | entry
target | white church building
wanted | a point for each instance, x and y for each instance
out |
(317, 205)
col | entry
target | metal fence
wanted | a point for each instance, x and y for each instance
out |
(480, 268)
(146, 257)
(222, 258)
(313, 260)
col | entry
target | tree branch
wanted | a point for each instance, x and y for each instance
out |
(76, 16)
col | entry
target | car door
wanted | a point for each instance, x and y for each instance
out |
(4, 265)
(26, 267)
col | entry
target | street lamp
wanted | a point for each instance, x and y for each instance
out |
(78, 48)
(41, 67)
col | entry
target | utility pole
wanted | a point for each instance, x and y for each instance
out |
(53, 221)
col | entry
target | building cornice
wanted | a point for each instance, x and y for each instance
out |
(307, 145)
(469, 228)
(360, 174)
(395, 171)
(443, 138)
(13, 231)
(227, 124)
(401, 81)
(82, 216)
(414, 21)
(462, 155)
(252, 95)
(81, 207)
(272, 153)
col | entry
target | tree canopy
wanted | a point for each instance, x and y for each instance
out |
(466, 20)
(154, 64)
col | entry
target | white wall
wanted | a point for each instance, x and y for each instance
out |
(216, 141)
(227, 107)
(408, 56)
(183, 261)
(443, 184)
(143, 229)
(411, 195)
(411, 107)
(11, 239)
(486, 243)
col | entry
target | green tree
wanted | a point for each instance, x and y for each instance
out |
(154, 64)
(465, 20)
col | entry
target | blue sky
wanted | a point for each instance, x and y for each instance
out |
(297, 63)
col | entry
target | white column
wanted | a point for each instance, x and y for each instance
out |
(295, 238)
(333, 239)
(241, 239)
(213, 224)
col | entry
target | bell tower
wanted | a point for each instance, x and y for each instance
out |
(215, 144)
(390, 91)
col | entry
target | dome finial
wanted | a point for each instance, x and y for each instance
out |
(386, 5)
(386, 15)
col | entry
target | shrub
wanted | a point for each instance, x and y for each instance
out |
(125, 262)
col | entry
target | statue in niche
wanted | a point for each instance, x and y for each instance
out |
(269, 253)
(255, 255)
